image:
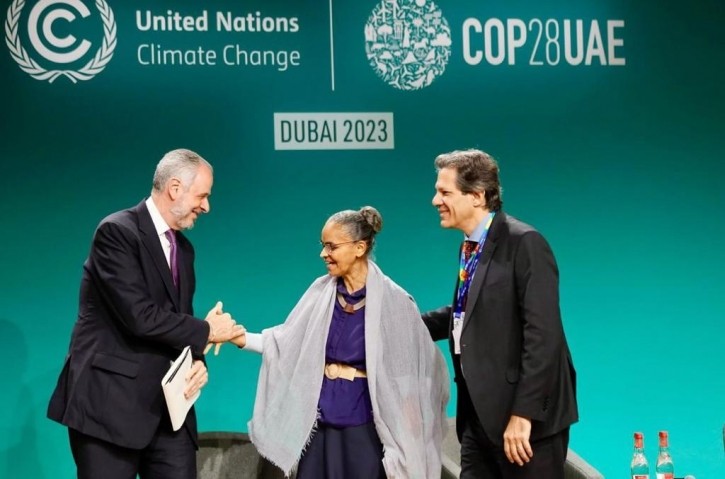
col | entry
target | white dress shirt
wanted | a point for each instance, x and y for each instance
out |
(161, 228)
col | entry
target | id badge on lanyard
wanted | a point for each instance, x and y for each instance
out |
(457, 328)
(467, 269)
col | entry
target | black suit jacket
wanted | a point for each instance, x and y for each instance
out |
(514, 355)
(131, 323)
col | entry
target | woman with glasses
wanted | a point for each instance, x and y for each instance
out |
(351, 385)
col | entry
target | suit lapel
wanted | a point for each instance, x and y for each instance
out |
(150, 239)
(186, 272)
(482, 269)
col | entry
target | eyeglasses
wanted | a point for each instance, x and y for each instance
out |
(330, 247)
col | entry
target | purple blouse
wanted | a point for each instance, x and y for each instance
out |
(346, 403)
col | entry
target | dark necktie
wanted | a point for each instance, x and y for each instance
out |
(171, 236)
(467, 248)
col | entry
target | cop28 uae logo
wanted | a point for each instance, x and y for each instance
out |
(66, 50)
(408, 42)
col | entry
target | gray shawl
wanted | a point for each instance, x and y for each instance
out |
(407, 378)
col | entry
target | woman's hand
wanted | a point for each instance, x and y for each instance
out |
(240, 341)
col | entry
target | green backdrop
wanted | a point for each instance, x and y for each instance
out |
(620, 166)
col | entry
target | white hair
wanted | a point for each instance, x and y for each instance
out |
(180, 163)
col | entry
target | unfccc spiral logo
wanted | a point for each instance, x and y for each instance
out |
(408, 42)
(60, 52)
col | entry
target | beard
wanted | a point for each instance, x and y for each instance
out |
(182, 215)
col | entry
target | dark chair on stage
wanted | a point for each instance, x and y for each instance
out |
(231, 455)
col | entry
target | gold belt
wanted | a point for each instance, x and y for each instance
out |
(344, 371)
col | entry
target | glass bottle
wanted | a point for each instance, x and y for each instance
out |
(639, 466)
(664, 469)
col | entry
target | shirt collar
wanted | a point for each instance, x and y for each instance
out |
(159, 222)
(478, 231)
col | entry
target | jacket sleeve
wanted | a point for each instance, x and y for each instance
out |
(537, 290)
(115, 265)
(438, 322)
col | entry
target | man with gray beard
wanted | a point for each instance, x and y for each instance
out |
(135, 317)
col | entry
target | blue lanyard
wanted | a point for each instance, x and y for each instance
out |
(468, 268)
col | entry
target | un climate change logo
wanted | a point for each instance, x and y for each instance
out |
(408, 42)
(66, 50)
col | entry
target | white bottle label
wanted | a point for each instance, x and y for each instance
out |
(665, 475)
(640, 476)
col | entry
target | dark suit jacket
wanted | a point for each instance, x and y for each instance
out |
(131, 323)
(514, 356)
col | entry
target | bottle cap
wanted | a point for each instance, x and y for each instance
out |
(663, 438)
(638, 440)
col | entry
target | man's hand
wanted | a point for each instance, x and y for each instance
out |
(221, 328)
(196, 378)
(516, 440)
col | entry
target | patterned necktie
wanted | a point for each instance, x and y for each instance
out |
(467, 248)
(171, 236)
